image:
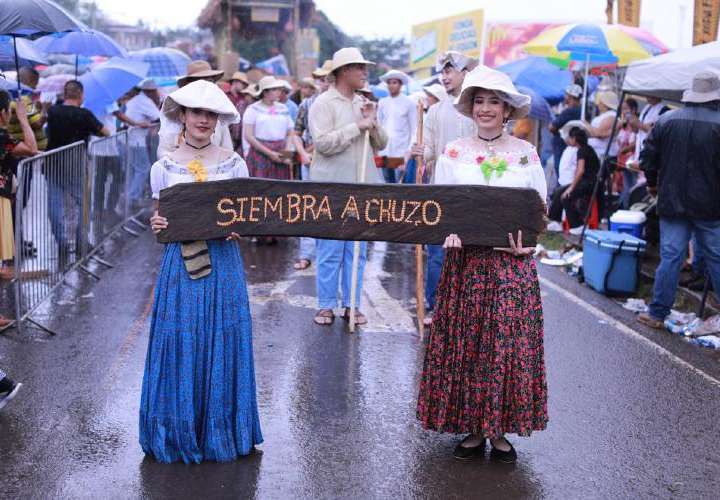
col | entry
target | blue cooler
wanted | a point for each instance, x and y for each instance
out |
(611, 261)
(628, 221)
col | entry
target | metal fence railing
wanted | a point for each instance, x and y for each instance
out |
(69, 201)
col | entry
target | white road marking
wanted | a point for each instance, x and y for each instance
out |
(628, 331)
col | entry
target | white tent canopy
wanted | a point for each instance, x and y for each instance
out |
(668, 75)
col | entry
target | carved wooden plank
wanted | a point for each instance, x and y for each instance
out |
(404, 213)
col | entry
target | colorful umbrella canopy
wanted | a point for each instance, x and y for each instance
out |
(163, 61)
(27, 53)
(538, 74)
(106, 82)
(80, 43)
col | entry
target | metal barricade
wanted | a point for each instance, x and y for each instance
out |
(50, 235)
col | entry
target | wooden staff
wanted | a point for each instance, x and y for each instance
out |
(419, 257)
(356, 247)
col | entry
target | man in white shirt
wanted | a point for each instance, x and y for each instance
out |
(143, 110)
(397, 114)
(443, 124)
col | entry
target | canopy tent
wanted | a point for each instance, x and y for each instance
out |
(668, 75)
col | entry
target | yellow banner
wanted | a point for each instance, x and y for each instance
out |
(706, 21)
(629, 12)
(462, 33)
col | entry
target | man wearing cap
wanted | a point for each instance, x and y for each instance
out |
(443, 124)
(238, 83)
(141, 109)
(573, 96)
(171, 133)
(304, 146)
(681, 160)
(291, 105)
(397, 114)
(338, 121)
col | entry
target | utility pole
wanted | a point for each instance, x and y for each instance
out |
(609, 11)
(296, 37)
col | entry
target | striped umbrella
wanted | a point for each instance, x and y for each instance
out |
(163, 61)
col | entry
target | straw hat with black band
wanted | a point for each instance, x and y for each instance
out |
(200, 70)
(239, 76)
(486, 78)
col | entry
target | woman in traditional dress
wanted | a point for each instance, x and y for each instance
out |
(484, 372)
(268, 129)
(198, 397)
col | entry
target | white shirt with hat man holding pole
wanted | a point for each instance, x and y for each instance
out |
(170, 132)
(443, 124)
(141, 109)
(397, 114)
(339, 118)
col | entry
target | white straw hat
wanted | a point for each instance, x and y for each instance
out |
(608, 98)
(436, 90)
(565, 130)
(200, 94)
(268, 83)
(705, 88)
(323, 70)
(394, 74)
(483, 77)
(348, 55)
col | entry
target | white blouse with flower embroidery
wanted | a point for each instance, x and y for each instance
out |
(166, 172)
(511, 162)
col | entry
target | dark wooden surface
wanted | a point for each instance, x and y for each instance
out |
(480, 215)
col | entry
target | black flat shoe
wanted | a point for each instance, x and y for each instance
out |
(506, 457)
(467, 453)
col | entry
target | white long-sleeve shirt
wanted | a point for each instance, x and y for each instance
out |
(398, 117)
(444, 124)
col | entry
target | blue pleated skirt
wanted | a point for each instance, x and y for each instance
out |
(198, 395)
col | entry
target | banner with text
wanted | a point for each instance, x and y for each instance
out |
(629, 12)
(480, 215)
(705, 27)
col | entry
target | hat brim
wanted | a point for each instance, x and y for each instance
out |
(700, 97)
(215, 74)
(347, 63)
(565, 130)
(402, 78)
(464, 102)
(214, 101)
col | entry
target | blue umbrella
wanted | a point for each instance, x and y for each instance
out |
(539, 107)
(80, 43)
(541, 76)
(106, 82)
(27, 54)
(163, 61)
(11, 86)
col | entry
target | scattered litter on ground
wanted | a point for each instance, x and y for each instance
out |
(635, 305)
(711, 341)
(602, 322)
(88, 295)
(65, 303)
(572, 259)
(700, 328)
(679, 323)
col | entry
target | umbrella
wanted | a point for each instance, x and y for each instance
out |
(539, 107)
(106, 82)
(590, 43)
(163, 61)
(33, 19)
(539, 75)
(80, 43)
(27, 53)
(54, 84)
(12, 86)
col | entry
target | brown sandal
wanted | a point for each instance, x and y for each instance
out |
(648, 320)
(301, 264)
(360, 318)
(324, 317)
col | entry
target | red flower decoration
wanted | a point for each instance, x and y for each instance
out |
(479, 159)
(452, 153)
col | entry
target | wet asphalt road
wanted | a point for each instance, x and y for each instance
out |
(633, 413)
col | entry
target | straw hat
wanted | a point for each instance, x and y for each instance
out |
(565, 130)
(200, 70)
(251, 90)
(269, 83)
(323, 70)
(309, 82)
(366, 91)
(200, 94)
(240, 77)
(147, 84)
(574, 90)
(286, 85)
(705, 88)
(348, 55)
(436, 90)
(394, 74)
(455, 59)
(483, 77)
(608, 98)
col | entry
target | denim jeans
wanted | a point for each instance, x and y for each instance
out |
(435, 258)
(334, 264)
(675, 235)
(629, 181)
(61, 191)
(389, 175)
(140, 168)
(698, 262)
(307, 248)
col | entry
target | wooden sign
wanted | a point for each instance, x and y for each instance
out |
(705, 27)
(408, 213)
(629, 12)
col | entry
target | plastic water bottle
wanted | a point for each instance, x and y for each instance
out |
(710, 341)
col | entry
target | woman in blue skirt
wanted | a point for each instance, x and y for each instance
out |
(198, 396)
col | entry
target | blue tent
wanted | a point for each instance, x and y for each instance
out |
(539, 75)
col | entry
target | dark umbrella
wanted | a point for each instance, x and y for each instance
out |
(33, 19)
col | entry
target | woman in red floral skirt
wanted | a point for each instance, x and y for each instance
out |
(484, 371)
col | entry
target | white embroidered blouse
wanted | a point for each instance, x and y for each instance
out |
(509, 162)
(166, 172)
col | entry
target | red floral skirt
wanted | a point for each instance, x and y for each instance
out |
(260, 165)
(484, 370)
